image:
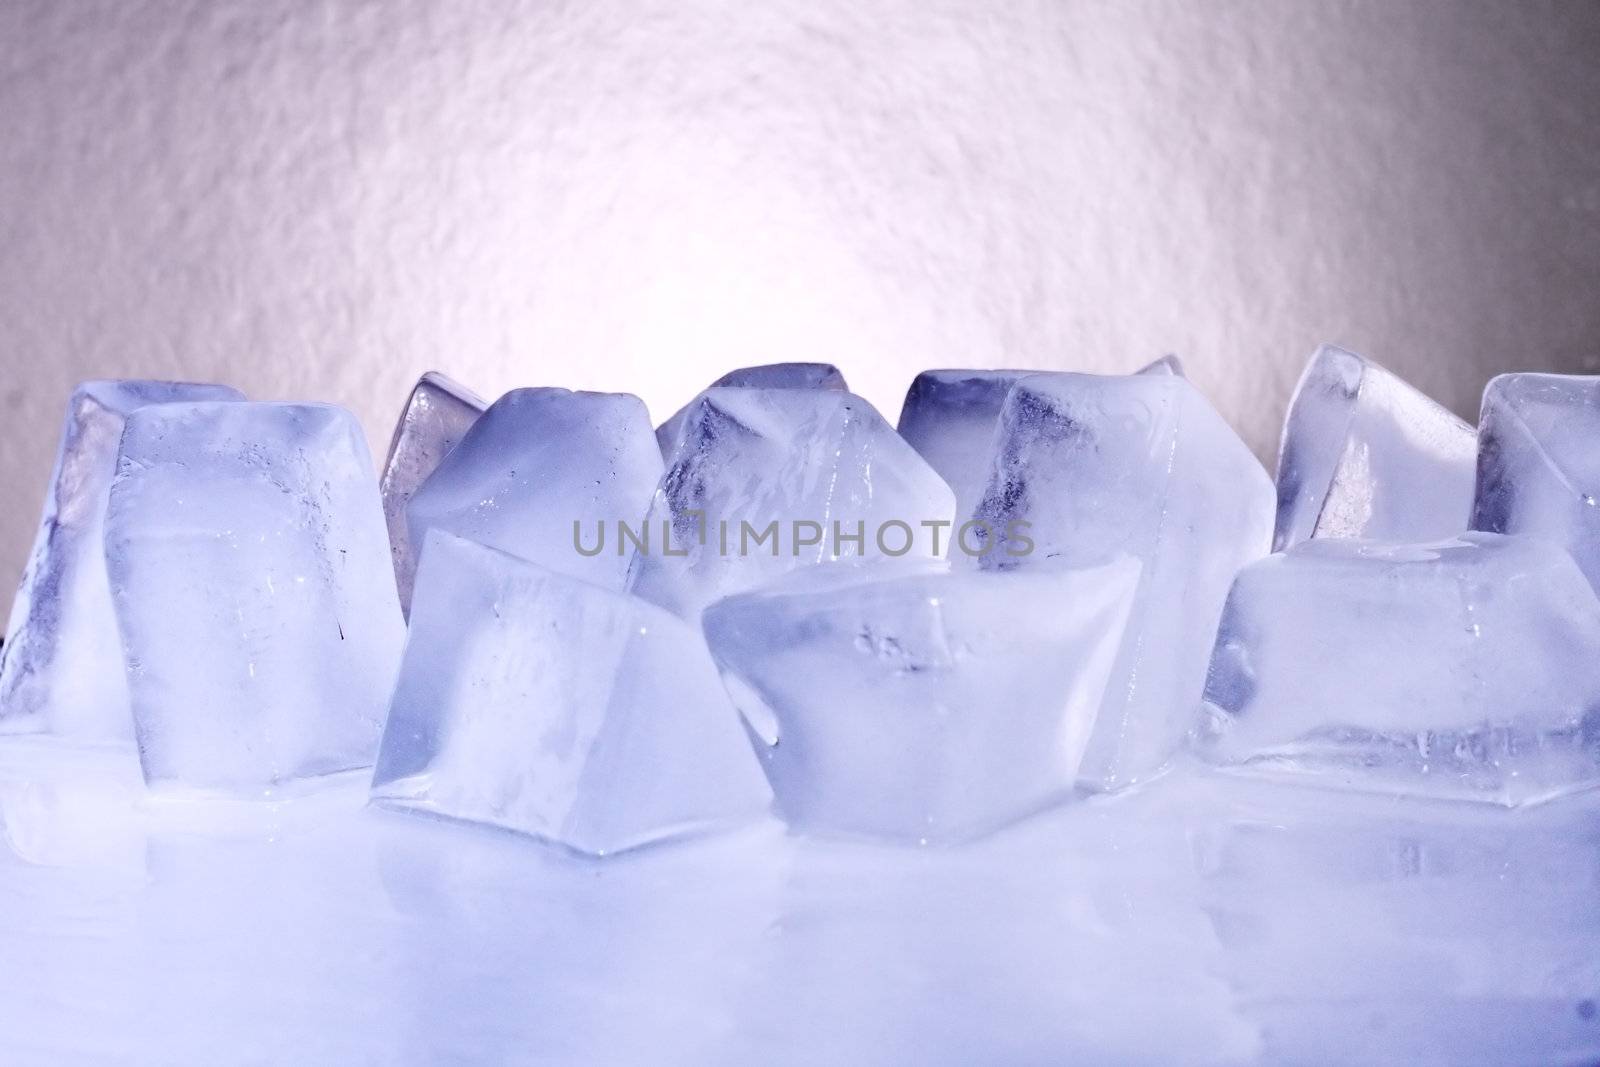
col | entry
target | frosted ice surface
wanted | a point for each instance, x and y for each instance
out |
(923, 707)
(1467, 668)
(1138, 464)
(1165, 365)
(1366, 455)
(949, 417)
(539, 703)
(250, 571)
(751, 462)
(538, 462)
(61, 668)
(437, 415)
(1539, 462)
(766, 376)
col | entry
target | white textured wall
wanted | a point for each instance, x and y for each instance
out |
(322, 199)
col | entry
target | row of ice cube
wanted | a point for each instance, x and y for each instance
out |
(229, 556)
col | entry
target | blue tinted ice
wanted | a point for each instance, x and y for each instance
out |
(1466, 669)
(1539, 463)
(949, 417)
(923, 706)
(1142, 465)
(1366, 455)
(766, 376)
(61, 668)
(755, 462)
(437, 415)
(535, 702)
(251, 576)
(538, 462)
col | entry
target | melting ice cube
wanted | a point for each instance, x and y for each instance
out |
(1143, 465)
(923, 706)
(1467, 668)
(61, 668)
(543, 472)
(535, 702)
(1539, 463)
(251, 576)
(766, 376)
(1366, 455)
(437, 415)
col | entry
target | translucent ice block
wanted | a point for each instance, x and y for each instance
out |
(1138, 464)
(753, 467)
(543, 472)
(251, 576)
(437, 415)
(766, 376)
(922, 707)
(949, 417)
(1539, 463)
(1366, 455)
(61, 668)
(1467, 668)
(538, 703)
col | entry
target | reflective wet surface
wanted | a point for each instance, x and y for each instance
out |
(1203, 920)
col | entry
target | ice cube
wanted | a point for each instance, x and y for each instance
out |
(1366, 455)
(1138, 464)
(61, 667)
(949, 417)
(250, 571)
(766, 376)
(923, 707)
(1467, 668)
(436, 417)
(543, 472)
(1539, 463)
(767, 480)
(535, 702)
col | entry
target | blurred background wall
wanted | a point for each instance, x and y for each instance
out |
(323, 198)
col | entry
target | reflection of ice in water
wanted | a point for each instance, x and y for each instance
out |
(1197, 921)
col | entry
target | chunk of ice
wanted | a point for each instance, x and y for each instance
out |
(250, 572)
(1467, 669)
(1138, 464)
(922, 707)
(1168, 364)
(750, 461)
(437, 415)
(539, 703)
(1366, 455)
(539, 470)
(61, 668)
(1539, 463)
(949, 417)
(766, 376)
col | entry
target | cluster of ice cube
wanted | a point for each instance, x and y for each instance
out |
(1039, 584)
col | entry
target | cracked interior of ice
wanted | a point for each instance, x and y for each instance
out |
(1203, 920)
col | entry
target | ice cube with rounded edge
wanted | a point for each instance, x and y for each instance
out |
(61, 666)
(437, 415)
(766, 376)
(1539, 463)
(535, 702)
(767, 480)
(949, 417)
(1168, 364)
(1366, 455)
(1464, 669)
(922, 707)
(1138, 464)
(250, 572)
(543, 472)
